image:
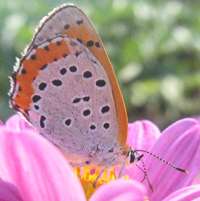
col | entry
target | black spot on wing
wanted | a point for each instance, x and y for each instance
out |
(42, 119)
(106, 125)
(105, 109)
(90, 43)
(63, 71)
(42, 86)
(100, 83)
(43, 67)
(33, 57)
(86, 112)
(68, 122)
(36, 98)
(87, 74)
(76, 100)
(73, 69)
(57, 83)
(79, 22)
(67, 26)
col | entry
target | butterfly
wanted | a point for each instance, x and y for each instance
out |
(65, 86)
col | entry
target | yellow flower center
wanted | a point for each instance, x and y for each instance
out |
(87, 179)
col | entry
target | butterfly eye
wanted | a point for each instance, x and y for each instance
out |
(132, 158)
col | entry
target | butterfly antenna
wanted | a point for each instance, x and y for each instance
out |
(145, 175)
(142, 171)
(168, 163)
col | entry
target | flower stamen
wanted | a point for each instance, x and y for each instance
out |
(88, 176)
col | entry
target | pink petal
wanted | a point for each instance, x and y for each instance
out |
(17, 123)
(9, 192)
(196, 179)
(141, 135)
(36, 167)
(118, 190)
(180, 145)
(1, 123)
(185, 194)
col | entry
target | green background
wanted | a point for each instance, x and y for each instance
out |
(153, 46)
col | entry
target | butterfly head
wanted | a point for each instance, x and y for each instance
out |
(132, 159)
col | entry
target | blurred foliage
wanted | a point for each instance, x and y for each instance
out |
(153, 46)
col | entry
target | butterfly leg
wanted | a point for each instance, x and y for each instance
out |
(101, 172)
(122, 170)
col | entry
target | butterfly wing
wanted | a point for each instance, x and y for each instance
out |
(68, 21)
(74, 23)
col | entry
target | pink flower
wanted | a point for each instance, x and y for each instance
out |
(34, 166)
(33, 169)
(178, 144)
